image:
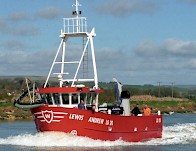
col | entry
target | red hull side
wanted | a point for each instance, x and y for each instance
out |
(97, 125)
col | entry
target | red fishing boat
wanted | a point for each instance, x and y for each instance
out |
(55, 108)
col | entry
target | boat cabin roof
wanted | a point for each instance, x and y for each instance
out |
(68, 90)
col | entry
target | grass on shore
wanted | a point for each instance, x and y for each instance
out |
(6, 104)
(168, 106)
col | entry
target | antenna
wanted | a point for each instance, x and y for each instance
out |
(77, 13)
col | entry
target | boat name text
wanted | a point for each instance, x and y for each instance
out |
(100, 121)
(76, 117)
(94, 120)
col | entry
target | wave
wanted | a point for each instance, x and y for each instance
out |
(176, 134)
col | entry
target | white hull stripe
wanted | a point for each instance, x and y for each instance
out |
(52, 120)
(54, 117)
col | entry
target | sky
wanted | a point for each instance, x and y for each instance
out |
(137, 41)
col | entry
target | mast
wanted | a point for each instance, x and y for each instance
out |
(74, 27)
(76, 13)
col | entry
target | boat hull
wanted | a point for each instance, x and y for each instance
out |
(97, 125)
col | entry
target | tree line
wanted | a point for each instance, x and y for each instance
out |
(10, 85)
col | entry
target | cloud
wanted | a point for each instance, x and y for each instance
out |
(180, 48)
(48, 13)
(147, 48)
(18, 16)
(191, 1)
(2, 23)
(110, 58)
(13, 45)
(16, 24)
(19, 30)
(170, 47)
(122, 63)
(28, 63)
(27, 30)
(24, 24)
(119, 8)
(128, 61)
(192, 63)
(172, 56)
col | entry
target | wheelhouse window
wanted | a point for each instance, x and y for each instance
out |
(69, 98)
(83, 96)
(65, 98)
(56, 98)
(90, 98)
(74, 99)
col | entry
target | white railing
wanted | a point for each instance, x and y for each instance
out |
(75, 25)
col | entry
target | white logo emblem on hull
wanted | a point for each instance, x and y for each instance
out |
(49, 116)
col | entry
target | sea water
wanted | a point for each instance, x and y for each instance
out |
(179, 134)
